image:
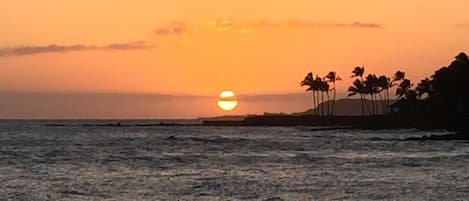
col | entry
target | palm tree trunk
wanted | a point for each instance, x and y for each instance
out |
(363, 106)
(366, 104)
(317, 103)
(375, 104)
(333, 102)
(381, 102)
(314, 103)
(387, 100)
(322, 103)
(328, 104)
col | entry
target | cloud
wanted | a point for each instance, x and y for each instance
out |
(356, 25)
(127, 46)
(312, 24)
(174, 28)
(229, 25)
(177, 28)
(53, 48)
(226, 25)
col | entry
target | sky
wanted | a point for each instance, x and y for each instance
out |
(199, 48)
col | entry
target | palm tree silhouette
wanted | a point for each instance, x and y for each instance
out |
(371, 88)
(385, 84)
(404, 87)
(310, 82)
(358, 72)
(319, 84)
(332, 78)
(399, 75)
(325, 88)
(424, 87)
(358, 87)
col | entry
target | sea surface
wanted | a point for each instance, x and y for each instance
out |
(74, 162)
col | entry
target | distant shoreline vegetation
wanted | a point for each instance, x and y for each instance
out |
(444, 93)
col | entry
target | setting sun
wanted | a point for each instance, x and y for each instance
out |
(227, 102)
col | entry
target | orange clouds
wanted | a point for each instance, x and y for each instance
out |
(30, 50)
(229, 25)
(174, 28)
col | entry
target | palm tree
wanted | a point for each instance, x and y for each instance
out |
(332, 77)
(359, 87)
(403, 88)
(385, 84)
(424, 87)
(309, 81)
(358, 72)
(371, 88)
(319, 83)
(399, 75)
(325, 88)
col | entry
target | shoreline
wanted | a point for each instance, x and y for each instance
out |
(424, 122)
(456, 123)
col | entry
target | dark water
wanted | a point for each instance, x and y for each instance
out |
(226, 163)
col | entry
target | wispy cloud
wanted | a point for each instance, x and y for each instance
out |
(174, 28)
(178, 28)
(228, 25)
(313, 24)
(53, 48)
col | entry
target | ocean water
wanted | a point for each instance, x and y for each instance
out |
(73, 162)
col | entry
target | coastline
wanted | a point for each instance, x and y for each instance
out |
(456, 123)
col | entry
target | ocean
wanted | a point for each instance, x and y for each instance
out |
(74, 162)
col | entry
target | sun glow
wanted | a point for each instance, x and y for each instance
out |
(226, 94)
(227, 102)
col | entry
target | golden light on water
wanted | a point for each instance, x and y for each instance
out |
(227, 102)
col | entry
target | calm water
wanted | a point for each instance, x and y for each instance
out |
(226, 163)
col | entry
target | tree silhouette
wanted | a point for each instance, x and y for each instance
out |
(385, 84)
(333, 78)
(319, 87)
(399, 75)
(424, 87)
(404, 88)
(358, 88)
(310, 82)
(448, 91)
(372, 88)
(323, 87)
(445, 92)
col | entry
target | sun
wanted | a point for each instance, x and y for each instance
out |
(226, 101)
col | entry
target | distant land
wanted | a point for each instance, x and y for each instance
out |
(345, 107)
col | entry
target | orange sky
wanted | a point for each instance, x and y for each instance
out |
(202, 47)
